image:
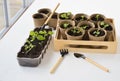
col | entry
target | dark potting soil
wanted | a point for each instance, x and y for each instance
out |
(74, 34)
(35, 51)
(109, 28)
(99, 19)
(36, 16)
(87, 28)
(44, 11)
(54, 16)
(101, 33)
(62, 26)
(37, 29)
(80, 18)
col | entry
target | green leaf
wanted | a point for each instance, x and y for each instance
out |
(42, 32)
(96, 33)
(68, 13)
(32, 33)
(82, 17)
(102, 23)
(40, 37)
(50, 32)
(97, 16)
(66, 25)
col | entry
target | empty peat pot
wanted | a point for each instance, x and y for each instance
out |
(45, 11)
(53, 21)
(39, 19)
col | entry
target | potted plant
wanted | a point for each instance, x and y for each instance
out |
(80, 17)
(97, 17)
(74, 33)
(109, 27)
(39, 19)
(63, 26)
(66, 16)
(45, 11)
(34, 48)
(97, 34)
(86, 25)
(53, 21)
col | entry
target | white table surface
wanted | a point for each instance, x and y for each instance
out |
(71, 68)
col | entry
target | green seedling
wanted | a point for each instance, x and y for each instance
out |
(96, 33)
(97, 16)
(65, 25)
(84, 27)
(105, 25)
(65, 15)
(28, 46)
(82, 17)
(76, 30)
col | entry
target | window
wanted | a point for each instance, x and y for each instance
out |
(14, 7)
(10, 11)
(2, 21)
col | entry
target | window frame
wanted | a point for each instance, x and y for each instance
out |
(8, 22)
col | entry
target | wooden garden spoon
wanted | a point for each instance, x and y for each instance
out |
(50, 16)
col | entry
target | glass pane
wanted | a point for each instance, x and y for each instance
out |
(14, 7)
(2, 21)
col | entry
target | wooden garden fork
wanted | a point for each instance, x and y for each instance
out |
(63, 52)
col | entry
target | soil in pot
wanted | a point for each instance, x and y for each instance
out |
(54, 16)
(74, 33)
(45, 11)
(64, 25)
(109, 27)
(39, 19)
(66, 16)
(86, 25)
(97, 34)
(80, 17)
(97, 17)
(37, 16)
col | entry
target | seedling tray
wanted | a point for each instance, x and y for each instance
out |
(86, 45)
(24, 61)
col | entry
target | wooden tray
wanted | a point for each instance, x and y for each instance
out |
(86, 45)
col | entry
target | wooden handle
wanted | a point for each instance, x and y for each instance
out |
(52, 14)
(96, 64)
(56, 65)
